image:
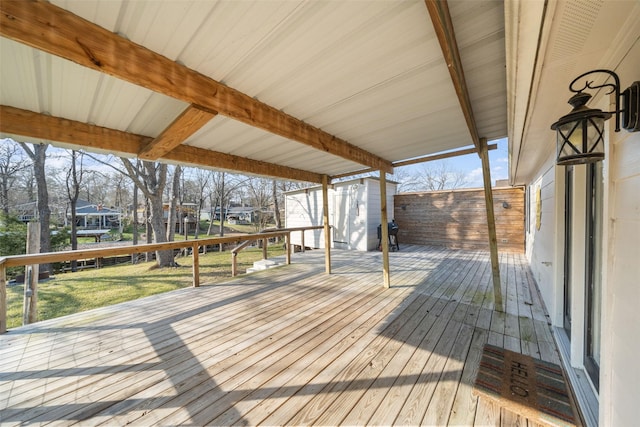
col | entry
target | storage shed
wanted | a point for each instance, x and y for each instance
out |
(354, 213)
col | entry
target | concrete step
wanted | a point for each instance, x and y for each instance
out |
(264, 264)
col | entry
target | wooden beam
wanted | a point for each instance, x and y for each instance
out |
(442, 156)
(424, 159)
(59, 32)
(27, 123)
(384, 229)
(185, 125)
(325, 222)
(491, 224)
(443, 26)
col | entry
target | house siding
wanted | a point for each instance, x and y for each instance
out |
(620, 373)
(540, 235)
(619, 390)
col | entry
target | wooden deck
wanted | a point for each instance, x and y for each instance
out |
(289, 346)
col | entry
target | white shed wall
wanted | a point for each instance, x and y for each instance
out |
(354, 214)
(303, 209)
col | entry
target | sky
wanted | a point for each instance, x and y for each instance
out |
(469, 164)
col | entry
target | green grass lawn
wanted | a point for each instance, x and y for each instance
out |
(69, 293)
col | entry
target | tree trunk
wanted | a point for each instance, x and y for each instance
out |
(134, 257)
(173, 202)
(147, 230)
(163, 258)
(38, 156)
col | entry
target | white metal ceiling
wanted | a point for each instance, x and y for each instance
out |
(368, 72)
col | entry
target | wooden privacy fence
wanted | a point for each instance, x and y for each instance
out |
(50, 257)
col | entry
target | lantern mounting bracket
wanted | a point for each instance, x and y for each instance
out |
(613, 88)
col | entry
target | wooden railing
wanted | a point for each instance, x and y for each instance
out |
(50, 257)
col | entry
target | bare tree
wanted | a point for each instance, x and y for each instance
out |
(260, 196)
(201, 181)
(440, 176)
(151, 178)
(11, 163)
(38, 156)
(74, 179)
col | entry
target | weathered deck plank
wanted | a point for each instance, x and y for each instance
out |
(287, 346)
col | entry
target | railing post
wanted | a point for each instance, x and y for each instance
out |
(265, 241)
(234, 265)
(196, 265)
(3, 299)
(288, 246)
(31, 273)
(302, 241)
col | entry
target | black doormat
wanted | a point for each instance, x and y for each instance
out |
(531, 387)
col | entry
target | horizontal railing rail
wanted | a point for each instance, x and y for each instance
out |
(301, 229)
(63, 256)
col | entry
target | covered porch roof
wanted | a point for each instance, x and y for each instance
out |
(291, 89)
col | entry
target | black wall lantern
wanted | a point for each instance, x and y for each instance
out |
(580, 134)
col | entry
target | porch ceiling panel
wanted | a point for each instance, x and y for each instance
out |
(369, 73)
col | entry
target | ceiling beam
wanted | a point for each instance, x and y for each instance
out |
(424, 159)
(185, 125)
(16, 121)
(57, 31)
(443, 26)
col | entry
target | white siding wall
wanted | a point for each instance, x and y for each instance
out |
(541, 242)
(620, 371)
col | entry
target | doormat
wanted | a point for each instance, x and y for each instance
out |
(530, 387)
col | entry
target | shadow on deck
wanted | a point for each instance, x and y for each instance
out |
(285, 346)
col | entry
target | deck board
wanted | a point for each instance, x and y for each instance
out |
(286, 346)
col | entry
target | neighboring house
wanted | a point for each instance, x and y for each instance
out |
(26, 212)
(96, 216)
(583, 221)
(354, 213)
(242, 215)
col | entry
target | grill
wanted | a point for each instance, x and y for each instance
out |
(392, 228)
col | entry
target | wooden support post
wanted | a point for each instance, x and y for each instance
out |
(265, 242)
(287, 243)
(325, 221)
(234, 264)
(386, 277)
(302, 240)
(195, 253)
(491, 223)
(3, 299)
(31, 273)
